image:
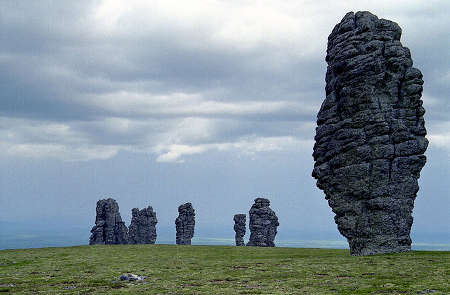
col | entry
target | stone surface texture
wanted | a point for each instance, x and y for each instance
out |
(109, 227)
(370, 135)
(185, 223)
(239, 227)
(132, 277)
(263, 224)
(142, 229)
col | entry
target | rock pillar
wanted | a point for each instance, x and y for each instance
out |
(370, 135)
(263, 224)
(239, 228)
(185, 224)
(109, 227)
(142, 229)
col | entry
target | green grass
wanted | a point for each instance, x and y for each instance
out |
(220, 270)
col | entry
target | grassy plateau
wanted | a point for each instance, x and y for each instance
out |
(172, 269)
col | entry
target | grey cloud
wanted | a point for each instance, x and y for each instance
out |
(62, 68)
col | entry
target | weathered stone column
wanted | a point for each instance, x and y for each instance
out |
(263, 224)
(185, 224)
(109, 227)
(142, 229)
(239, 228)
(370, 135)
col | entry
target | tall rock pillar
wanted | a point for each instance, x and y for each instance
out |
(370, 135)
(239, 228)
(263, 224)
(142, 229)
(109, 227)
(185, 224)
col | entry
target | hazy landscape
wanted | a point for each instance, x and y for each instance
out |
(17, 236)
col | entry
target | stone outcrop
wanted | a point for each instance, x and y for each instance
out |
(370, 135)
(142, 229)
(109, 227)
(263, 224)
(185, 224)
(239, 228)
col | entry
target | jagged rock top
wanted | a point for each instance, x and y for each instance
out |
(354, 24)
(238, 218)
(187, 207)
(144, 215)
(261, 202)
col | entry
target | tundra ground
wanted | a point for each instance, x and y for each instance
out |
(172, 269)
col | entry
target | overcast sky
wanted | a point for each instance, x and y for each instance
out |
(213, 102)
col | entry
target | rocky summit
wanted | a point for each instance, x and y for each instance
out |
(142, 229)
(185, 223)
(370, 135)
(263, 224)
(109, 227)
(239, 228)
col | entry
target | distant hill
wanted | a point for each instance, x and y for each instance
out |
(39, 234)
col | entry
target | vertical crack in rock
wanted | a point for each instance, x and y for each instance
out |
(142, 229)
(370, 135)
(239, 228)
(263, 224)
(109, 227)
(185, 224)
